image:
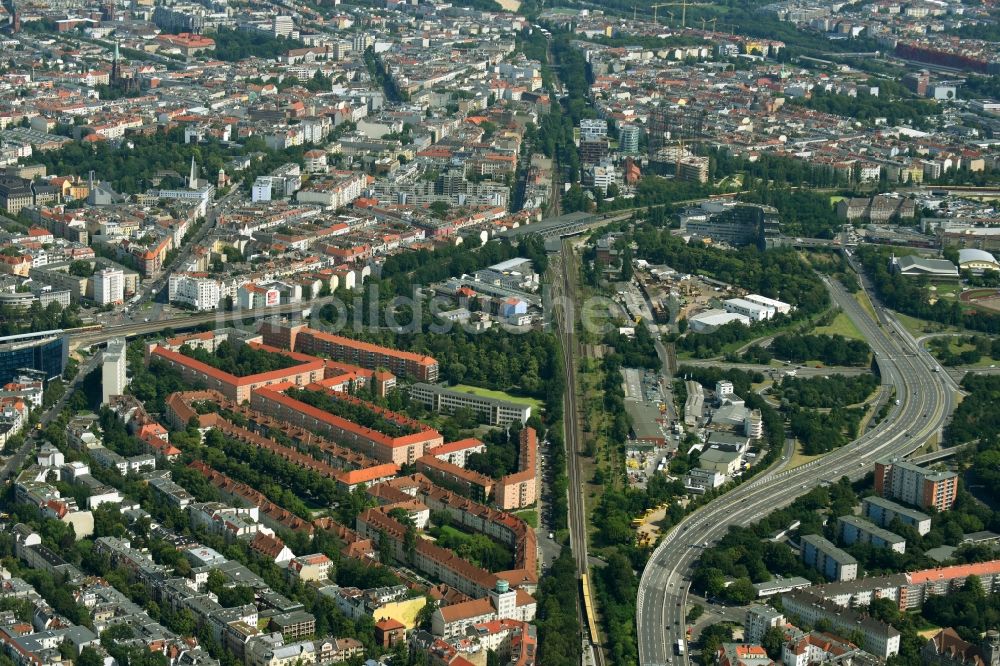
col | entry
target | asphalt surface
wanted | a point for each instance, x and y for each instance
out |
(190, 320)
(16, 462)
(800, 371)
(926, 399)
(211, 215)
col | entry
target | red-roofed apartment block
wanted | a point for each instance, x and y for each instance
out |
(305, 340)
(401, 450)
(308, 370)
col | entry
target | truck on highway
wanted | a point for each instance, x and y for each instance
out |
(680, 647)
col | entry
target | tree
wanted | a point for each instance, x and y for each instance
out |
(439, 208)
(89, 657)
(80, 268)
(773, 642)
(741, 591)
(426, 614)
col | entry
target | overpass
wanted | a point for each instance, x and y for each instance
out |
(89, 336)
(934, 456)
(567, 225)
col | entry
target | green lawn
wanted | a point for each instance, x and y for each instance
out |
(841, 325)
(947, 290)
(536, 405)
(984, 362)
(799, 458)
(530, 516)
(862, 298)
(835, 199)
(921, 327)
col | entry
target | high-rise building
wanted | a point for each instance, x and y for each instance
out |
(282, 26)
(592, 129)
(113, 361)
(628, 139)
(592, 151)
(45, 351)
(915, 485)
(917, 82)
(109, 286)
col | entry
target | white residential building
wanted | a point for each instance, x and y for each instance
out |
(109, 286)
(199, 291)
(593, 129)
(261, 189)
(113, 378)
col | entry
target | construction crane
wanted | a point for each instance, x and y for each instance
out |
(684, 4)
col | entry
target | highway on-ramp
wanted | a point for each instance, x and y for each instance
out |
(925, 395)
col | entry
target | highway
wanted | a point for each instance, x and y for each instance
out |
(926, 399)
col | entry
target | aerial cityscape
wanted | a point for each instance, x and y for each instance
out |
(499, 332)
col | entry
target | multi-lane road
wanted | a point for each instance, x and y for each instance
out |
(925, 395)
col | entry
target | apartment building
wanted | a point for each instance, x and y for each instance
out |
(824, 556)
(879, 638)
(196, 290)
(759, 618)
(882, 512)
(113, 362)
(490, 410)
(856, 530)
(400, 450)
(910, 590)
(306, 340)
(500, 603)
(477, 486)
(906, 482)
(109, 286)
(520, 489)
(308, 370)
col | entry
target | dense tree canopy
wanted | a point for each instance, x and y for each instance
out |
(830, 349)
(239, 359)
(823, 392)
(234, 45)
(866, 108)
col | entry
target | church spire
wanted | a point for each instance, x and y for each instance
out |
(193, 178)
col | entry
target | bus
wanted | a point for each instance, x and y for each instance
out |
(680, 647)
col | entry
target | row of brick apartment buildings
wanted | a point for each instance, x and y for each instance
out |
(486, 596)
(909, 590)
(307, 370)
(338, 375)
(512, 491)
(301, 338)
(400, 450)
(345, 466)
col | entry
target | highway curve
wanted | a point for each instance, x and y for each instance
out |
(925, 397)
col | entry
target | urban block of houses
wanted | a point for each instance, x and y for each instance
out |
(305, 370)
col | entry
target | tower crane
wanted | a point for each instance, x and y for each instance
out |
(683, 4)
